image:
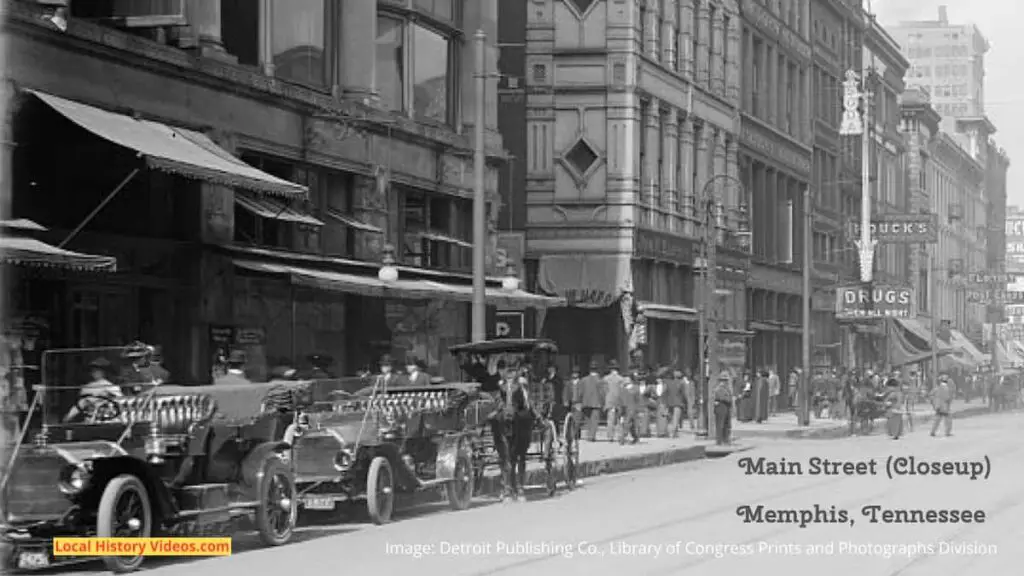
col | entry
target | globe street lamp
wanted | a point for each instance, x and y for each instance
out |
(713, 216)
(388, 272)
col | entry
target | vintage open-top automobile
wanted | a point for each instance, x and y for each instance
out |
(379, 441)
(165, 462)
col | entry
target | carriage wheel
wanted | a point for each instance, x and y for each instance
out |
(572, 451)
(460, 489)
(548, 454)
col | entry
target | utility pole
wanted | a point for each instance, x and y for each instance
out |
(479, 196)
(934, 313)
(805, 382)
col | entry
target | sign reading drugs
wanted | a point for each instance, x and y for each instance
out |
(876, 301)
(903, 228)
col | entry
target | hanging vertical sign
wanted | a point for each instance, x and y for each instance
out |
(852, 123)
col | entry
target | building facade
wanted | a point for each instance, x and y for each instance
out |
(631, 118)
(349, 155)
(949, 61)
(776, 165)
(947, 181)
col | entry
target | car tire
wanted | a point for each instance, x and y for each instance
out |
(278, 507)
(380, 491)
(460, 489)
(125, 492)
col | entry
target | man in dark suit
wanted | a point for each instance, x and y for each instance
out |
(386, 378)
(319, 367)
(589, 400)
(236, 370)
(138, 375)
(416, 373)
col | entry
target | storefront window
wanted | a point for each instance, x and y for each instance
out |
(298, 41)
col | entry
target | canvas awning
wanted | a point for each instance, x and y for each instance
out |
(668, 312)
(410, 289)
(170, 149)
(31, 252)
(918, 330)
(353, 222)
(910, 343)
(268, 208)
(966, 351)
(586, 281)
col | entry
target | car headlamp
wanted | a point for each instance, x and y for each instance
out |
(343, 460)
(74, 478)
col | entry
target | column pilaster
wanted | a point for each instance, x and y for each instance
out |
(651, 32)
(669, 161)
(702, 139)
(703, 36)
(685, 57)
(203, 31)
(732, 168)
(772, 92)
(783, 94)
(721, 184)
(652, 143)
(734, 36)
(685, 183)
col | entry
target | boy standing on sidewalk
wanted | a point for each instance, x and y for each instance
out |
(942, 399)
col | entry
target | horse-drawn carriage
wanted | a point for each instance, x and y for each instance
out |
(868, 406)
(553, 436)
(163, 462)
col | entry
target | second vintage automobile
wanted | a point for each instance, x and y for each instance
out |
(378, 442)
(165, 462)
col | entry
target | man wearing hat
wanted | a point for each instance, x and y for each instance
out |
(722, 396)
(138, 376)
(589, 400)
(236, 370)
(672, 402)
(416, 373)
(385, 378)
(942, 398)
(613, 385)
(99, 387)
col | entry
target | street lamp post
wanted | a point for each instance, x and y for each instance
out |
(707, 347)
(479, 312)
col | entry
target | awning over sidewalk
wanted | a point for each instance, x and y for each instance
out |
(586, 281)
(910, 342)
(170, 149)
(32, 252)
(401, 289)
(273, 210)
(668, 312)
(966, 351)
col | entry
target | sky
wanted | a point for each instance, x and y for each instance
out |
(1000, 22)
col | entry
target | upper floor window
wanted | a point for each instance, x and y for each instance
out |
(417, 52)
(297, 41)
(436, 230)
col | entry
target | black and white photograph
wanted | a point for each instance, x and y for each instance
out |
(523, 287)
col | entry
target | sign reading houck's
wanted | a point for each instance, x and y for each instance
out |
(876, 301)
(902, 228)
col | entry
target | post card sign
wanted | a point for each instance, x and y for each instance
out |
(902, 228)
(875, 301)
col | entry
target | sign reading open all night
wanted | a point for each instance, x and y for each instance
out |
(876, 301)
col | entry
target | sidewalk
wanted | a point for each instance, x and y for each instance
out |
(785, 426)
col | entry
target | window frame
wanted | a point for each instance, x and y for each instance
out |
(409, 17)
(331, 33)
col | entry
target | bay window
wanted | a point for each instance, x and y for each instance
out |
(417, 50)
(297, 41)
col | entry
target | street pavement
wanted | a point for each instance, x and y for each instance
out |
(634, 522)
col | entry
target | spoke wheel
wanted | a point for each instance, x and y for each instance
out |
(548, 453)
(380, 491)
(278, 508)
(460, 489)
(572, 451)
(124, 512)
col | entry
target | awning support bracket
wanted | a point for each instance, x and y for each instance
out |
(100, 207)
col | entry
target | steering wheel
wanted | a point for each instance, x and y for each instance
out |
(97, 408)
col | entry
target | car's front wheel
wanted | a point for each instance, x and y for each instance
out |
(124, 512)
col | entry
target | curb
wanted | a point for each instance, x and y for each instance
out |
(843, 430)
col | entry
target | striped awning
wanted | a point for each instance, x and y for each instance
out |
(31, 252)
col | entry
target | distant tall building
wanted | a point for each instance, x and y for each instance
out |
(949, 61)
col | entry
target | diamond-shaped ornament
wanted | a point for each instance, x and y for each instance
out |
(581, 157)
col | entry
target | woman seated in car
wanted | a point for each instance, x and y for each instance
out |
(96, 394)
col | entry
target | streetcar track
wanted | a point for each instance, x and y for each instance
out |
(694, 518)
